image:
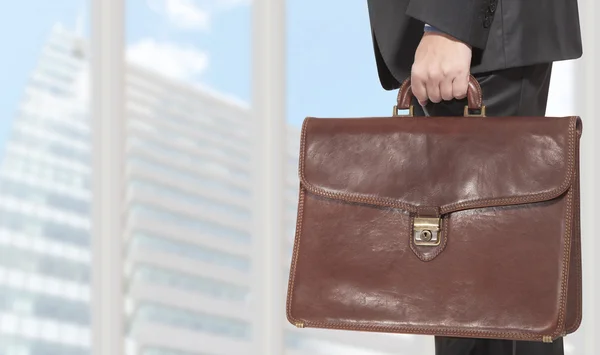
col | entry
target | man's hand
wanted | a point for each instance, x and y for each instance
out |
(441, 68)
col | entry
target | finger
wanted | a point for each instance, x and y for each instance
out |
(460, 86)
(418, 88)
(446, 89)
(433, 88)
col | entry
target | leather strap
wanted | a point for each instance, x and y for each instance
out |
(474, 95)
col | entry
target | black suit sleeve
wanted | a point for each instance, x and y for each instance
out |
(466, 20)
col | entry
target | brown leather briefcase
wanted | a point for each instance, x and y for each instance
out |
(449, 226)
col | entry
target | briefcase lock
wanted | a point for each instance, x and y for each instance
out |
(426, 231)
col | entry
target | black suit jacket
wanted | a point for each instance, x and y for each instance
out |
(503, 33)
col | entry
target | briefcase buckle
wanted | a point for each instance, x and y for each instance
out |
(426, 231)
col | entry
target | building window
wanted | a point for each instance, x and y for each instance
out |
(43, 306)
(197, 158)
(191, 251)
(43, 264)
(184, 281)
(192, 320)
(64, 151)
(218, 144)
(198, 225)
(44, 170)
(18, 222)
(41, 196)
(40, 347)
(192, 198)
(191, 178)
(56, 144)
(70, 132)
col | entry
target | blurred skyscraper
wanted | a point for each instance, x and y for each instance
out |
(45, 210)
(188, 220)
(189, 217)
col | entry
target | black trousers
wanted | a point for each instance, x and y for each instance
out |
(519, 91)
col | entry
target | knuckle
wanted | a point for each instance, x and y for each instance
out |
(448, 71)
(418, 80)
(451, 71)
(416, 83)
(436, 75)
(418, 70)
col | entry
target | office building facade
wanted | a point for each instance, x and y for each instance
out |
(187, 225)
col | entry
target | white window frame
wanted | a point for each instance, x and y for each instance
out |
(108, 127)
(268, 102)
(268, 105)
(586, 89)
(269, 162)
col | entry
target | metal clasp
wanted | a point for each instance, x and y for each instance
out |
(469, 114)
(426, 231)
(396, 113)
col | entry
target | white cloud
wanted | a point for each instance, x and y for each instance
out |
(185, 14)
(169, 59)
(193, 14)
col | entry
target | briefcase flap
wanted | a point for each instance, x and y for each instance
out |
(432, 166)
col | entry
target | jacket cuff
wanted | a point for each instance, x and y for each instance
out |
(429, 28)
(468, 21)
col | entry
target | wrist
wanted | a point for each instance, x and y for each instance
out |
(431, 31)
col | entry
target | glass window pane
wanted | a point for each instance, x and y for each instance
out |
(200, 225)
(148, 274)
(187, 319)
(196, 252)
(188, 159)
(45, 195)
(337, 57)
(213, 203)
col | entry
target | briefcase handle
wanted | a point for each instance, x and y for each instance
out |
(474, 99)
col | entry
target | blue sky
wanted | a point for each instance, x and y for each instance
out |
(331, 68)
(25, 25)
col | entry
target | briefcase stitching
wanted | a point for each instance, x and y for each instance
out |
(477, 203)
(578, 319)
(577, 239)
(565, 267)
(305, 186)
(295, 249)
(441, 331)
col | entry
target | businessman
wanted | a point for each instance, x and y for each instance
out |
(508, 45)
